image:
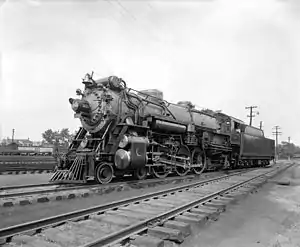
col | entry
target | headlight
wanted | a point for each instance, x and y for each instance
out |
(75, 106)
(124, 142)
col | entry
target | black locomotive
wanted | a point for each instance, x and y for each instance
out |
(125, 131)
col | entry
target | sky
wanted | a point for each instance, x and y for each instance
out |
(219, 54)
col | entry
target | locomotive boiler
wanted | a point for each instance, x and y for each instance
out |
(129, 132)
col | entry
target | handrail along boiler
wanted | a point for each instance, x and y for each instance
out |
(125, 131)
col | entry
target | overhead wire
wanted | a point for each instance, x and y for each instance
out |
(126, 10)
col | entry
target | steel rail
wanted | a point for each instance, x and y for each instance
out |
(26, 170)
(23, 169)
(35, 192)
(38, 225)
(14, 187)
(78, 187)
(125, 233)
(87, 186)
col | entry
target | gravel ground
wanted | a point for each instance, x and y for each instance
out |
(270, 218)
(21, 214)
(18, 215)
(24, 179)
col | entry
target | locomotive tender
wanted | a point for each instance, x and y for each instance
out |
(125, 131)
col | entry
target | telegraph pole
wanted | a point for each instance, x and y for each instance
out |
(251, 115)
(289, 141)
(260, 124)
(13, 135)
(276, 133)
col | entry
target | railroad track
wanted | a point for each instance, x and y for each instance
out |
(21, 172)
(34, 193)
(24, 165)
(152, 218)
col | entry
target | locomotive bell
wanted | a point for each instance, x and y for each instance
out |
(83, 143)
(124, 141)
(79, 92)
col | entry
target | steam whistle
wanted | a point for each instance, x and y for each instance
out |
(88, 80)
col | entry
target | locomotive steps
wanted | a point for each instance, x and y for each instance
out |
(148, 220)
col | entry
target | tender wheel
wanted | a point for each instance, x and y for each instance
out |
(185, 153)
(245, 164)
(250, 163)
(198, 157)
(140, 173)
(266, 163)
(241, 164)
(159, 171)
(104, 173)
(227, 165)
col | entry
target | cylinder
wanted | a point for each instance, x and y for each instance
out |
(122, 159)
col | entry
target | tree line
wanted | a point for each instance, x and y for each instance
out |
(286, 149)
(62, 137)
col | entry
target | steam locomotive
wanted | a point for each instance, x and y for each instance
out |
(129, 132)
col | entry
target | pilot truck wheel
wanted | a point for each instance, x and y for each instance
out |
(104, 173)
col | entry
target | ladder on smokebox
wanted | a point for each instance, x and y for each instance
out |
(76, 173)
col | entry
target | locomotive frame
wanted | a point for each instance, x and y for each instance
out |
(134, 132)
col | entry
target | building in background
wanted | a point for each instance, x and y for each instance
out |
(37, 143)
(20, 142)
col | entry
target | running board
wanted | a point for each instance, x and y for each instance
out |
(76, 173)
